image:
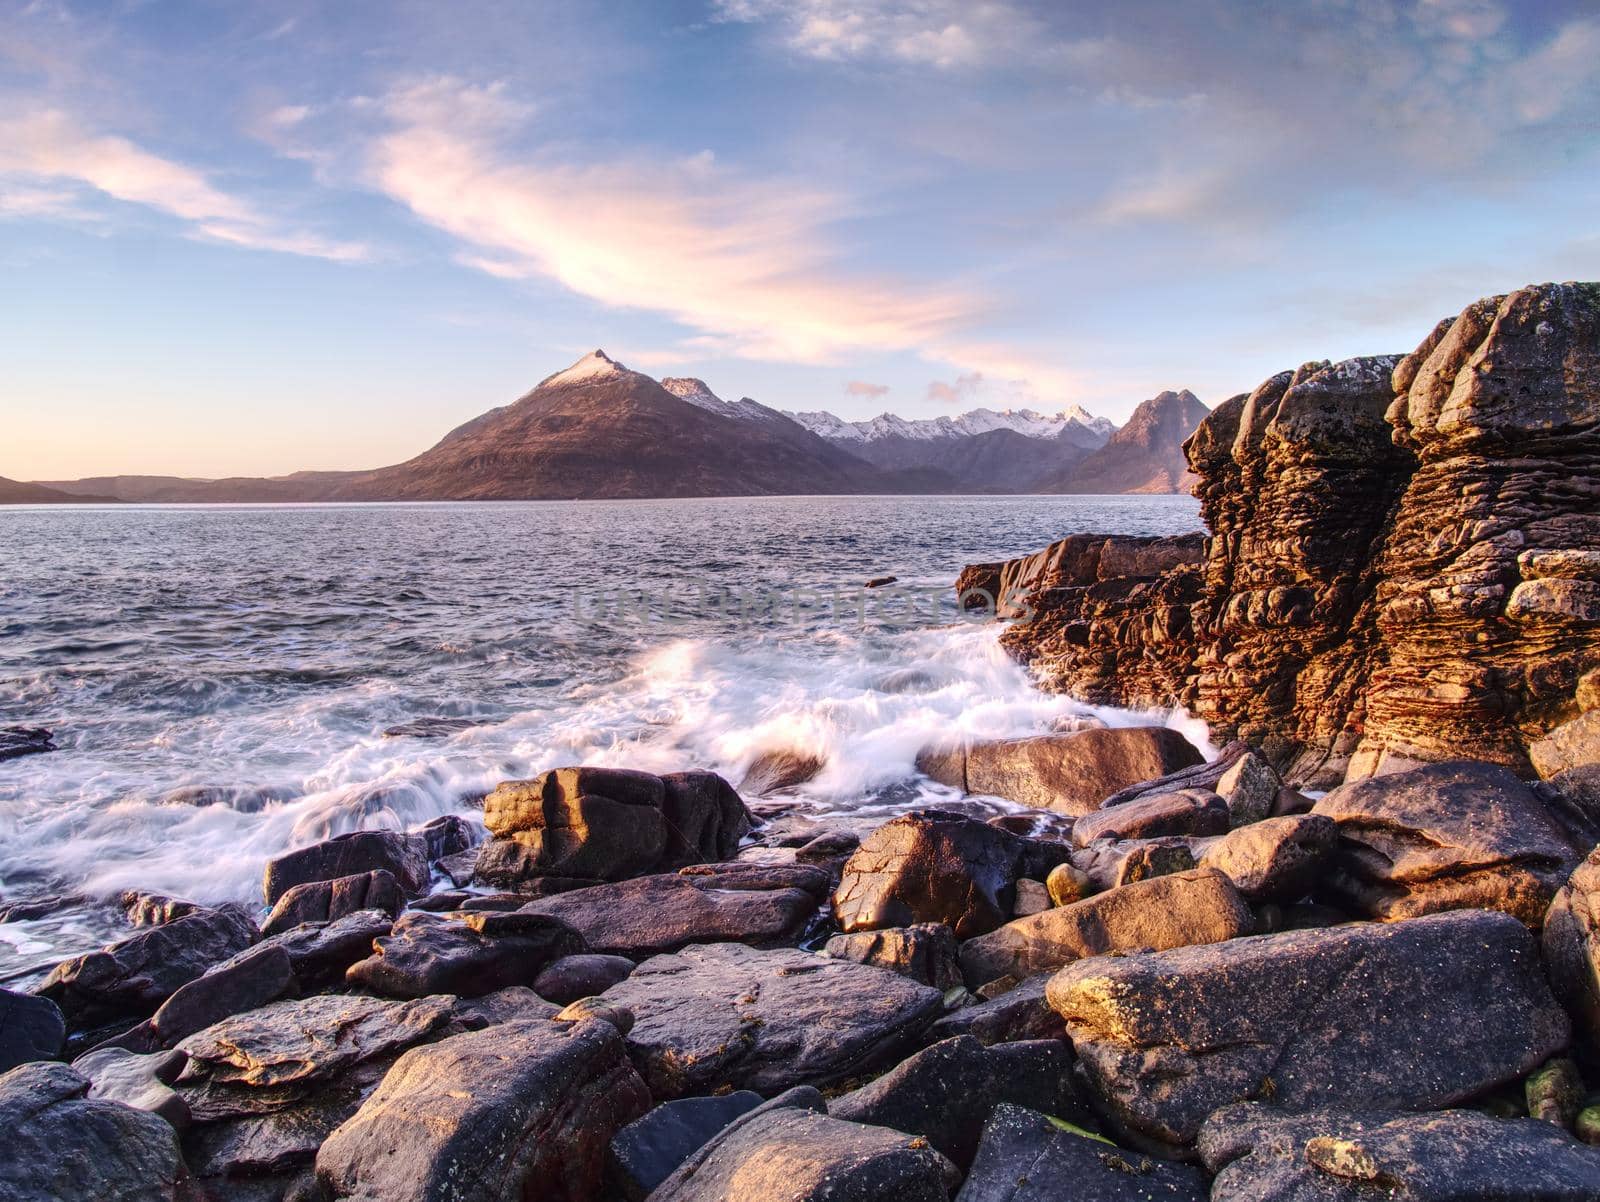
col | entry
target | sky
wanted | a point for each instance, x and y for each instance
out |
(251, 238)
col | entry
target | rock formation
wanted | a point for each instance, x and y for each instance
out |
(1400, 566)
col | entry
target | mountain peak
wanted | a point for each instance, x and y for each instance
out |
(595, 365)
(695, 391)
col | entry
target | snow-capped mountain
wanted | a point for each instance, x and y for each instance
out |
(687, 388)
(1074, 424)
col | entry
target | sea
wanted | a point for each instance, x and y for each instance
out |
(219, 679)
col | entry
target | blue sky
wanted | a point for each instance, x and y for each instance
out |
(255, 237)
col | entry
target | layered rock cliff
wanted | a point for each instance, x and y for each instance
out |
(1401, 564)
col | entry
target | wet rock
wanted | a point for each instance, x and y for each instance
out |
(1425, 1012)
(154, 909)
(1186, 908)
(1019, 1014)
(1190, 812)
(783, 769)
(947, 1091)
(584, 975)
(1571, 745)
(648, 1150)
(1456, 835)
(1276, 859)
(251, 979)
(519, 1110)
(18, 741)
(62, 1146)
(131, 978)
(608, 824)
(320, 952)
(926, 952)
(31, 1028)
(141, 1081)
(448, 835)
(1024, 1157)
(748, 903)
(405, 857)
(1074, 773)
(477, 954)
(327, 901)
(244, 799)
(1257, 1151)
(796, 1155)
(431, 728)
(1571, 943)
(936, 866)
(724, 1015)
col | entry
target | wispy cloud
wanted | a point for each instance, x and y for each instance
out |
(862, 388)
(749, 263)
(49, 146)
(963, 388)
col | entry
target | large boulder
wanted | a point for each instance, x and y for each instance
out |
(404, 857)
(1420, 1013)
(762, 905)
(587, 974)
(1262, 1152)
(947, 1091)
(329, 901)
(1074, 773)
(1276, 859)
(926, 952)
(31, 1028)
(1458, 835)
(61, 1145)
(1026, 1157)
(725, 1015)
(1571, 941)
(129, 979)
(1184, 812)
(608, 824)
(479, 953)
(141, 1080)
(517, 1110)
(251, 979)
(936, 866)
(1573, 744)
(648, 1150)
(791, 1154)
(1200, 906)
(320, 952)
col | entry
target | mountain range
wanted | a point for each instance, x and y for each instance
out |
(599, 430)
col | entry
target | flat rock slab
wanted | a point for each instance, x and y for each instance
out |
(1415, 1014)
(1259, 1152)
(1021, 1013)
(1199, 906)
(745, 903)
(62, 1146)
(470, 956)
(1184, 812)
(1024, 1157)
(797, 1155)
(1074, 773)
(1459, 835)
(724, 1015)
(517, 1110)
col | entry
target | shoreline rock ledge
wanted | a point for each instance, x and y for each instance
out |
(1402, 565)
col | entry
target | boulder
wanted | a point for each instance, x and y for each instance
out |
(725, 1015)
(470, 956)
(153, 909)
(1206, 775)
(1019, 1014)
(320, 952)
(251, 979)
(18, 741)
(937, 866)
(1188, 812)
(404, 857)
(31, 1028)
(1025, 1157)
(1448, 836)
(748, 903)
(1276, 859)
(783, 769)
(1420, 1013)
(1074, 773)
(61, 1145)
(1108, 865)
(926, 952)
(1571, 745)
(1259, 1151)
(1571, 942)
(586, 974)
(328, 901)
(608, 824)
(648, 1150)
(947, 1091)
(518, 1110)
(1250, 787)
(1185, 908)
(798, 1155)
(143, 1081)
(129, 979)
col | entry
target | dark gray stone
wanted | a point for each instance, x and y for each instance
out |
(648, 1150)
(31, 1028)
(328, 901)
(1020, 1013)
(403, 856)
(254, 978)
(467, 956)
(584, 975)
(141, 1081)
(926, 952)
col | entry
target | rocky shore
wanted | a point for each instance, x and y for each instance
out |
(1171, 978)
